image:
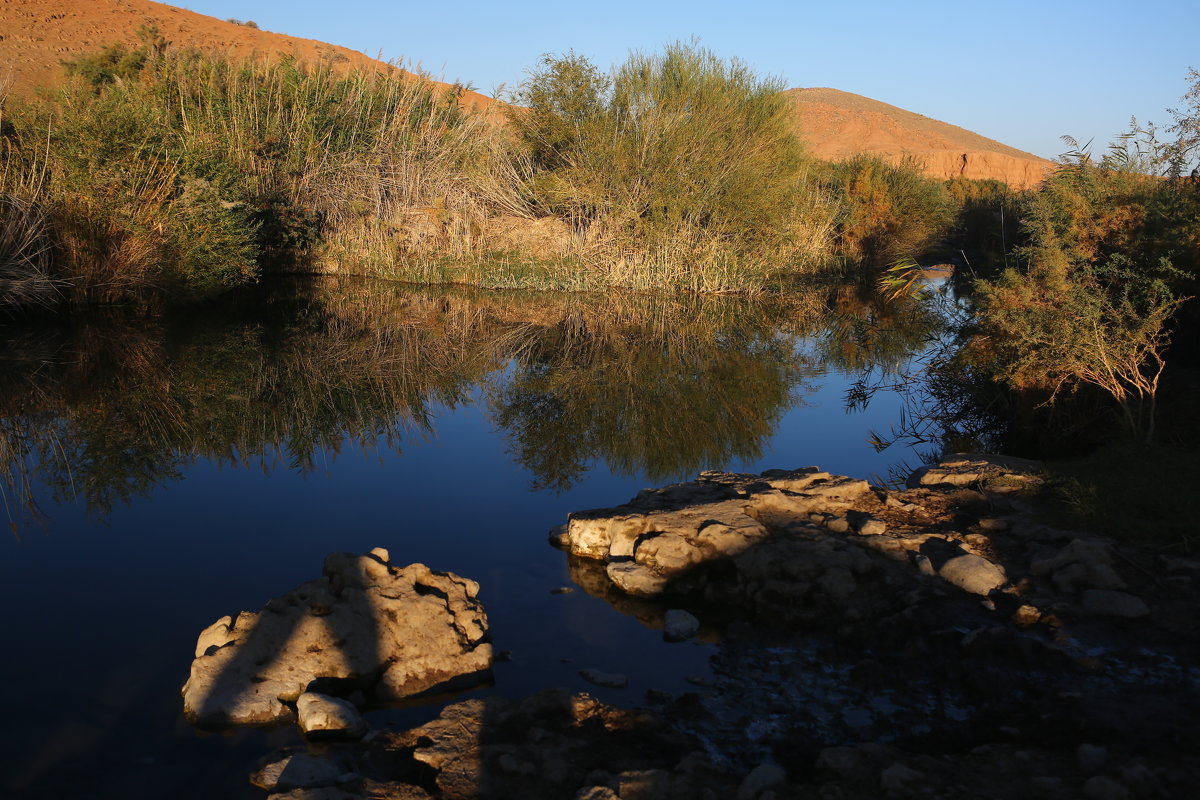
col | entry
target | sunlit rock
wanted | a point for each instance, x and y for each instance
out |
(391, 633)
(662, 534)
(322, 715)
(965, 469)
(973, 574)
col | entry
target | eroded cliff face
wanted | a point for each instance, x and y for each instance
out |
(837, 125)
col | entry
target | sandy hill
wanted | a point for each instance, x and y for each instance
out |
(838, 124)
(36, 35)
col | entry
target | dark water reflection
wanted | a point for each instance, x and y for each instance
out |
(158, 474)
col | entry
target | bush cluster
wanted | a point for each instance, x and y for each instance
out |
(175, 174)
(1110, 257)
(156, 172)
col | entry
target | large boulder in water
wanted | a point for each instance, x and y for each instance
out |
(393, 634)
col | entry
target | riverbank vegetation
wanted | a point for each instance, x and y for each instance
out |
(158, 174)
(1078, 340)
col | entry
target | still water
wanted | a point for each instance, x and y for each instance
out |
(160, 473)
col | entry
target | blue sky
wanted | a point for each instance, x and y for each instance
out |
(1023, 73)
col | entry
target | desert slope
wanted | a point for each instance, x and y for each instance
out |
(837, 124)
(36, 35)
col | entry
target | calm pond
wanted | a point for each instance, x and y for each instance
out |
(161, 473)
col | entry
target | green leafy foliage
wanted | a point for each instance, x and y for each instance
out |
(1097, 286)
(166, 173)
(887, 211)
(674, 156)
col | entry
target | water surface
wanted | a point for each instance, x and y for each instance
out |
(160, 473)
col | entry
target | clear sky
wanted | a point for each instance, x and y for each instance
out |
(1021, 72)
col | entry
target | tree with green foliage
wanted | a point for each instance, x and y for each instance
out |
(1096, 288)
(679, 157)
(887, 211)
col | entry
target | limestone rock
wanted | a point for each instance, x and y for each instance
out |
(663, 533)
(394, 633)
(973, 573)
(679, 625)
(760, 779)
(870, 526)
(320, 714)
(1027, 615)
(300, 771)
(636, 579)
(1107, 603)
(964, 469)
(597, 793)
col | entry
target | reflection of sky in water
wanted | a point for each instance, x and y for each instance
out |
(103, 613)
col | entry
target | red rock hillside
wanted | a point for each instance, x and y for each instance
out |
(837, 125)
(36, 35)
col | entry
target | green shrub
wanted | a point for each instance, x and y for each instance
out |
(887, 211)
(987, 224)
(1096, 288)
(680, 160)
(182, 174)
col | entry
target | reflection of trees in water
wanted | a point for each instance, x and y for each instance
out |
(919, 348)
(704, 382)
(120, 406)
(107, 407)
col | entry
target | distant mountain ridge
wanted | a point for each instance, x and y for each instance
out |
(837, 125)
(37, 35)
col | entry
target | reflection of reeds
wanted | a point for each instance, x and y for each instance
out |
(652, 383)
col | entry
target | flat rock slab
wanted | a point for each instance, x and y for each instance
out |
(392, 633)
(662, 534)
(965, 469)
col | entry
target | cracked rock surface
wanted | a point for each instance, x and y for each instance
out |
(388, 633)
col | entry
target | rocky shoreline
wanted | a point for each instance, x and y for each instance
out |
(939, 641)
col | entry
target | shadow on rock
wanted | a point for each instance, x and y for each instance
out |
(366, 630)
(880, 641)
